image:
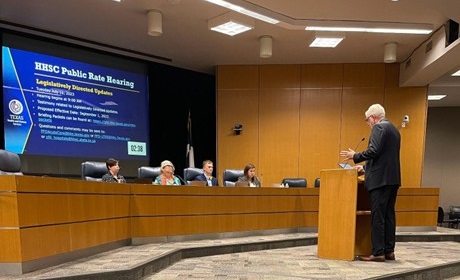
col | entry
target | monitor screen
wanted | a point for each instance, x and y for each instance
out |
(61, 106)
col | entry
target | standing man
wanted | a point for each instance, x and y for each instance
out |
(208, 167)
(382, 180)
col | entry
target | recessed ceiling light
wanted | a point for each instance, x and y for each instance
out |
(326, 42)
(436, 96)
(231, 23)
(456, 73)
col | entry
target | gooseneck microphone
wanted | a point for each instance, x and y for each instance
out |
(359, 143)
(182, 180)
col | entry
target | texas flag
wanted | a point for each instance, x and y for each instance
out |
(190, 155)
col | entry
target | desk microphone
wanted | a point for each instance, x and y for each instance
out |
(182, 180)
(359, 143)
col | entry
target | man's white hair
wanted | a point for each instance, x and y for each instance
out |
(376, 110)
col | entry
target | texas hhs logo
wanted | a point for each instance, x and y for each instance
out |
(16, 107)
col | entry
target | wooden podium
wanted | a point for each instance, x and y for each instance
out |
(344, 226)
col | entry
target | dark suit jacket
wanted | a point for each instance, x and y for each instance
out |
(202, 177)
(382, 155)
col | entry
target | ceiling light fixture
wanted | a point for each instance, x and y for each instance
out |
(436, 96)
(231, 24)
(155, 23)
(326, 40)
(244, 11)
(367, 26)
(389, 52)
(456, 74)
(266, 46)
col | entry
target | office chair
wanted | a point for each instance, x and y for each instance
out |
(454, 216)
(190, 174)
(295, 182)
(10, 163)
(93, 170)
(148, 172)
(317, 182)
(231, 176)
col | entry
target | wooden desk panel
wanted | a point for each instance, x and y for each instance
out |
(43, 217)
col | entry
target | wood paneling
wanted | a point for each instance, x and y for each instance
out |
(355, 102)
(412, 102)
(319, 131)
(327, 118)
(177, 225)
(132, 210)
(237, 77)
(279, 135)
(322, 76)
(364, 75)
(8, 206)
(237, 107)
(280, 76)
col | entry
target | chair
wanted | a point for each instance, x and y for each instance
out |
(231, 176)
(10, 163)
(93, 170)
(148, 172)
(295, 182)
(317, 182)
(454, 216)
(190, 174)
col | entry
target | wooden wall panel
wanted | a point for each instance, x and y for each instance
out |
(169, 205)
(237, 103)
(412, 102)
(8, 209)
(320, 115)
(44, 241)
(177, 225)
(237, 77)
(355, 102)
(279, 104)
(93, 233)
(416, 219)
(321, 76)
(279, 135)
(319, 132)
(237, 107)
(364, 75)
(159, 211)
(323, 119)
(10, 242)
(279, 76)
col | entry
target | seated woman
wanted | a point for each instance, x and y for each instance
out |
(250, 176)
(112, 172)
(167, 178)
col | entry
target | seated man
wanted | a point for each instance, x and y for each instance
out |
(208, 167)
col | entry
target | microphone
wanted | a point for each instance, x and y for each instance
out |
(359, 143)
(182, 180)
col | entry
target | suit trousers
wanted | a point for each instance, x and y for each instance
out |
(383, 232)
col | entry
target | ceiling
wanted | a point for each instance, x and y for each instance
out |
(187, 43)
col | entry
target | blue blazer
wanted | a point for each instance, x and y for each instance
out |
(202, 177)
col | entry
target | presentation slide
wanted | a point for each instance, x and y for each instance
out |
(60, 107)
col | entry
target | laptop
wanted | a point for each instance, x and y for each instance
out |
(345, 165)
(241, 184)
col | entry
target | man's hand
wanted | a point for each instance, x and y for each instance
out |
(347, 154)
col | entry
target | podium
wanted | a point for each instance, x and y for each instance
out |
(344, 226)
